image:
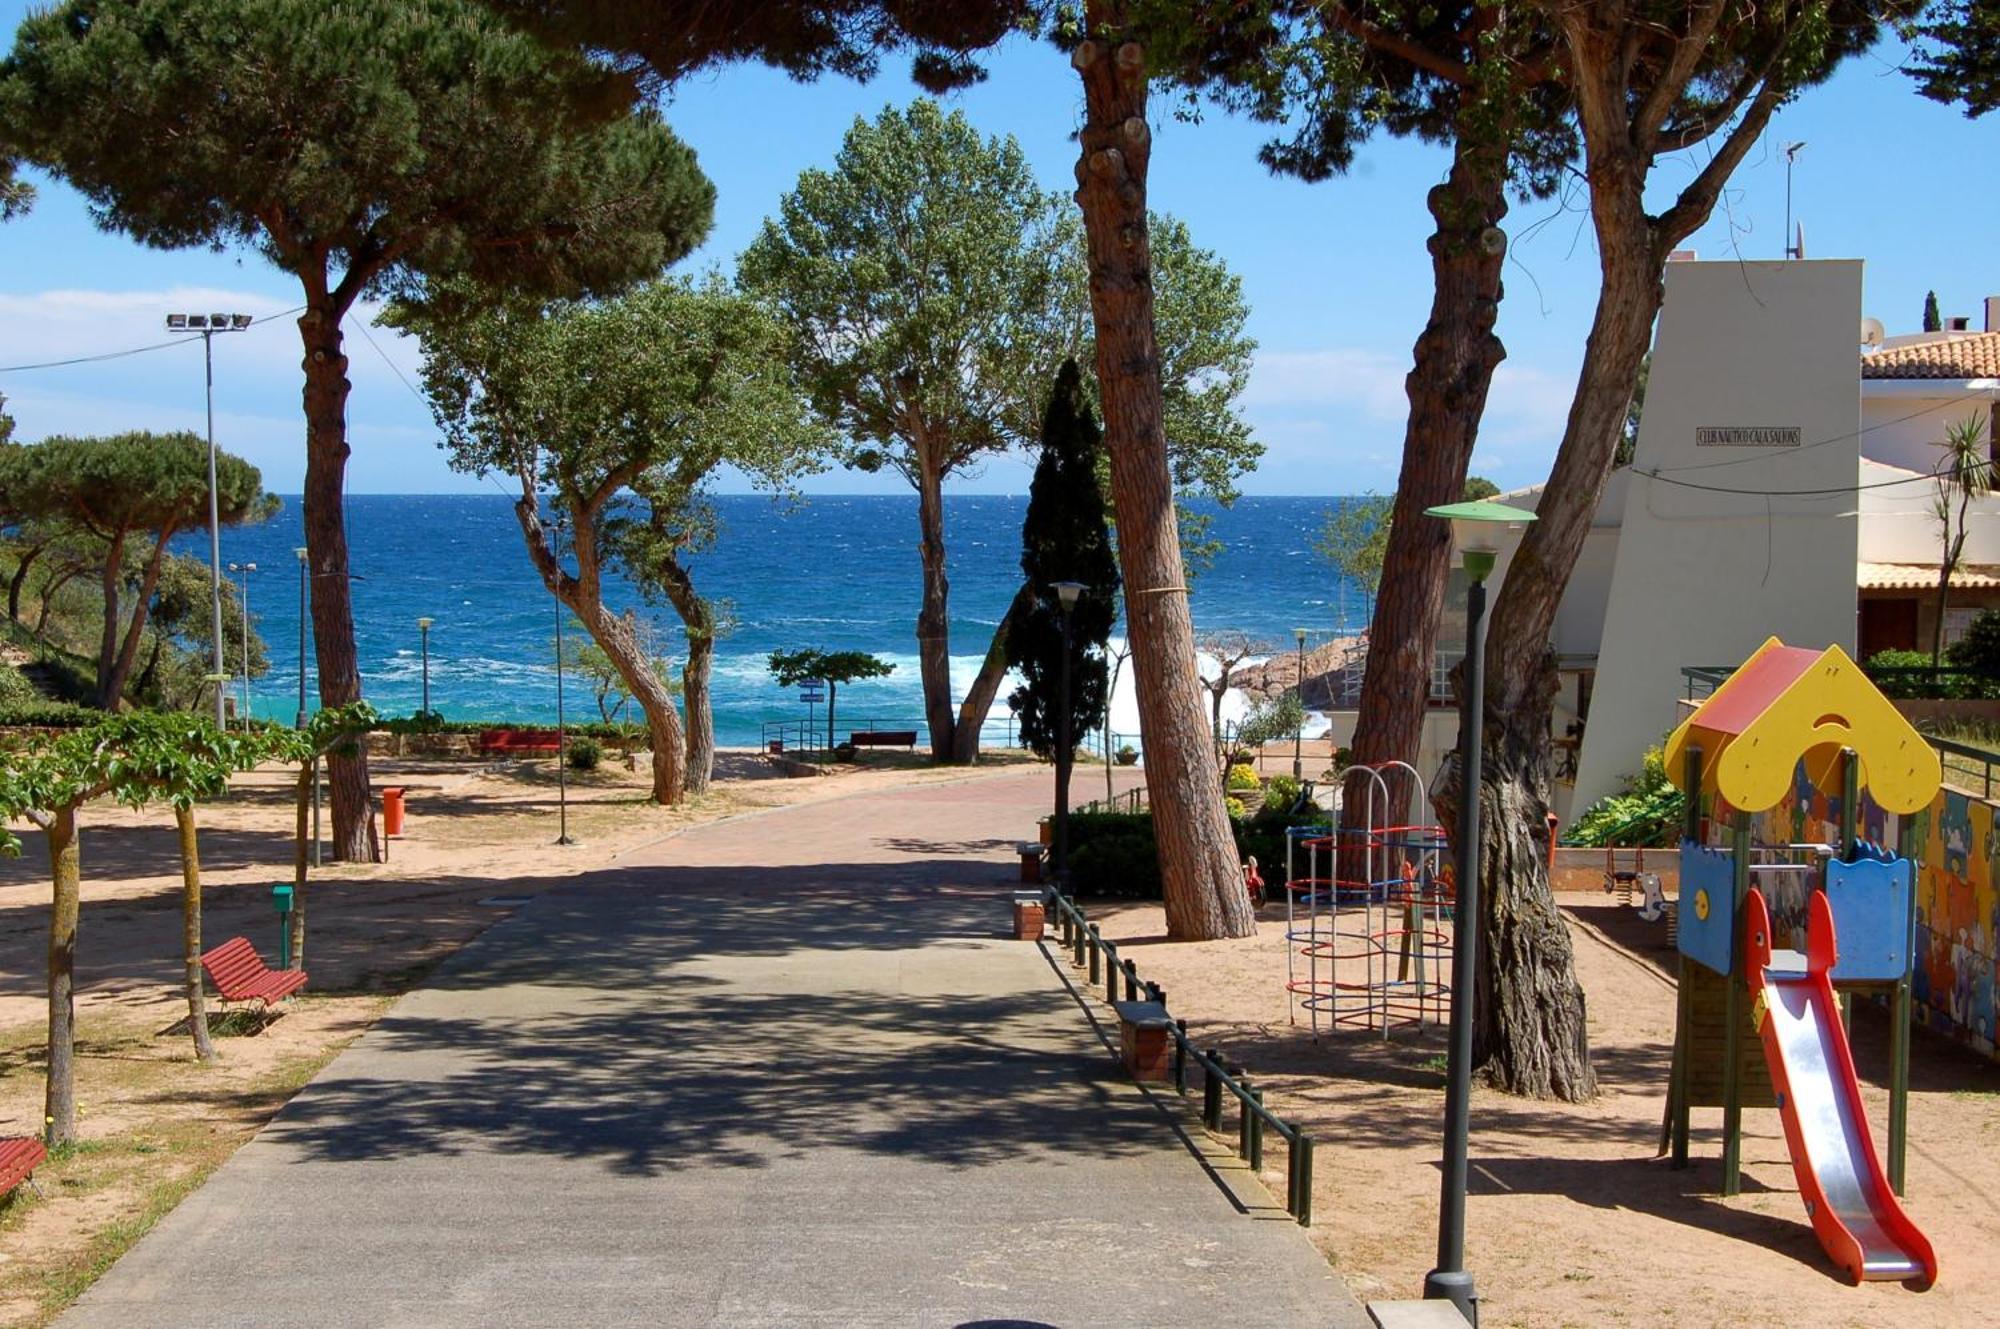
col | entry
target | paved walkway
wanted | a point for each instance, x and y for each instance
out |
(778, 1072)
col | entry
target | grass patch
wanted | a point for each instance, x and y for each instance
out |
(69, 1279)
(193, 1123)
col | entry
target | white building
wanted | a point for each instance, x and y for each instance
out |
(1782, 484)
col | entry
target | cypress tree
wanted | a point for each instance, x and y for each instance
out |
(1933, 321)
(1064, 537)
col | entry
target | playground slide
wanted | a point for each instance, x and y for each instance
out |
(1854, 1212)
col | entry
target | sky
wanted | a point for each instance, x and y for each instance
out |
(1335, 274)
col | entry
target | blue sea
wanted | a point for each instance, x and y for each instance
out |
(836, 572)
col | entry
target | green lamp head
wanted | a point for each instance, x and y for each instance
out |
(1476, 528)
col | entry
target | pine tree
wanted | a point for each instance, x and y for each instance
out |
(1064, 537)
(1933, 321)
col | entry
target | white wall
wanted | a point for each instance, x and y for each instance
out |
(1701, 578)
(1902, 423)
(1904, 420)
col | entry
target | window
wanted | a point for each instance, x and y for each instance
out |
(1957, 622)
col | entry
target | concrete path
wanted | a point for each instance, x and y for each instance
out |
(780, 1071)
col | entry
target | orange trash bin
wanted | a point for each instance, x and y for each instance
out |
(392, 810)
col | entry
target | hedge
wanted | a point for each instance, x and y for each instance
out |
(1114, 854)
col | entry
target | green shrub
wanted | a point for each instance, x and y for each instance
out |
(1242, 779)
(1281, 792)
(49, 715)
(1979, 653)
(15, 689)
(585, 753)
(1648, 811)
(1113, 854)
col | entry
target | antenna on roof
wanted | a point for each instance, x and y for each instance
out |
(1872, 333)
(1791, 160)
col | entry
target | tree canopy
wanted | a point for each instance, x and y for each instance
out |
(393, 139)
(791, 668)
(131, 494)
(621, 413)
(935, 288)
(369, 147)
(1958, 55)
(1064, 537)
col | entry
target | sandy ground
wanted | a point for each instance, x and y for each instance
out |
(1572, 1221)
(152, 1121)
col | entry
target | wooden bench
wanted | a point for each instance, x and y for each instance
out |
(507, 742)
(240, 974)
(20, 1155)
(883, 738)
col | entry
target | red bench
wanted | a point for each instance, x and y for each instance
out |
(20, 1155)
(506, 742)
(240, 974)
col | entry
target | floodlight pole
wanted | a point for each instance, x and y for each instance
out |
(208, 325)
(246, 569)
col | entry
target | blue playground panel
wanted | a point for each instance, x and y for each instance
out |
(1872, 918)
(1708, 906)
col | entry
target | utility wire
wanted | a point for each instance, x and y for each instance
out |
(1837, 438)
(1989, 468)
(134, 350)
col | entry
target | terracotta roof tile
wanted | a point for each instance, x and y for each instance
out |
(1970, 355)
(1923, 577)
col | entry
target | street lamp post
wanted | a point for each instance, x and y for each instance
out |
(208, 325)
(1299, 733)
(246, 569)
(562, 742)
(424, 637)
(1475, 532)
(1066, 593)
(300, 722)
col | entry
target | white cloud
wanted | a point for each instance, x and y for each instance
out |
(1367, 380)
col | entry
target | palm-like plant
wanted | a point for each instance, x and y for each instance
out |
(1965, 473)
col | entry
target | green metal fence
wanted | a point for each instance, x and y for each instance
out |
(1091, 951)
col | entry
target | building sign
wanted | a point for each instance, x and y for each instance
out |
(1746, 436)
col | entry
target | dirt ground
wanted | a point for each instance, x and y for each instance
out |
(1572, 1220)
(153, 1122)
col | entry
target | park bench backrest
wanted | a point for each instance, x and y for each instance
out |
(234, 967)
(20, 1155)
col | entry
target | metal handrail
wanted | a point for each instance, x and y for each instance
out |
(1088, 948)
(810, 735)
(1131, 801)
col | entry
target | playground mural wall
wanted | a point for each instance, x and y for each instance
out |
(1957, 852)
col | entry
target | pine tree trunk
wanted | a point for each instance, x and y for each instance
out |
(135, 631)
(110, 581)
(1200, 877)
(301, 836)
(616, 636)
(66, 874)
(1455, 357)
(19, 579)
(934, 617)
(979, 697)
(699, 621)
(1531, 1031)
(204, 1050)
(1532, 1035)
(354, 835)
(700, 715)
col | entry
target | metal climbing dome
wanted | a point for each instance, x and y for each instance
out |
(1367, 922)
